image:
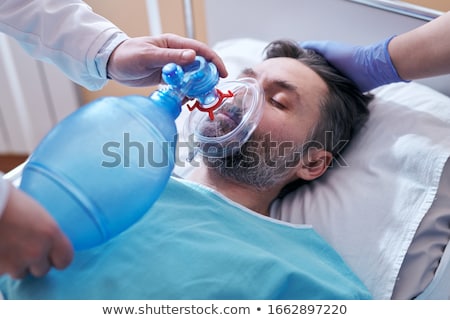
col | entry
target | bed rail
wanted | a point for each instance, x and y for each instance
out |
(402, 7)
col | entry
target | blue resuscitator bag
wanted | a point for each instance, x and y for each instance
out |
(101, 168)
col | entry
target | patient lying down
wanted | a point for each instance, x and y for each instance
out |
(209, 236)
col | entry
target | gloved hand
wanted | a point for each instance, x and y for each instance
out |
(368, 66)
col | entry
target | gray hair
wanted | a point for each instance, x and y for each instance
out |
(343, 111)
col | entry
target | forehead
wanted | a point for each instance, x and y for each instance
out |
(308, 83)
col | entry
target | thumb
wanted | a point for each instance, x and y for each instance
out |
(178, 56)
(320, 47)
(61, 254)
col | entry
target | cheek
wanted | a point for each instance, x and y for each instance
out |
(278, 125)
(269, 121)
(283, 126)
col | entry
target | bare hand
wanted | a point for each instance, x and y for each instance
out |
(138, 61)
(30, 240)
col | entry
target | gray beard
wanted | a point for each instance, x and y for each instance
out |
(260, 162)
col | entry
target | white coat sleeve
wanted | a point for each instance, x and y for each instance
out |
(66, 33)
(4, 193)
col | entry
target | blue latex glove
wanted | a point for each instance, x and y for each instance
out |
(368, 66)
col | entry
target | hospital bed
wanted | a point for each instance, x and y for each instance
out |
(386, 207)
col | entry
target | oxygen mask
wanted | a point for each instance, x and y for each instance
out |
(220, 131)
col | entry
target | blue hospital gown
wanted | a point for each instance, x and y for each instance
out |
(196, 244)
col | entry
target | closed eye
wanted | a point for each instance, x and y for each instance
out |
(277, 104)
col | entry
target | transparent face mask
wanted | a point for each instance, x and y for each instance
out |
(223, 131)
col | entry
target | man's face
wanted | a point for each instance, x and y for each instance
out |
(291, 111)
(293, 93)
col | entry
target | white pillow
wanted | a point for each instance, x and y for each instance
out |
(370, 210)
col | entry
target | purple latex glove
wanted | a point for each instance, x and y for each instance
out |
(368, 66)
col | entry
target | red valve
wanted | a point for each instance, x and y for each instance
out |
(211, 109)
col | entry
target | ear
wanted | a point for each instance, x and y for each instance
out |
(314, 164)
